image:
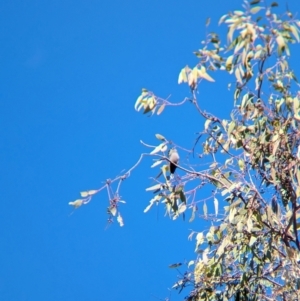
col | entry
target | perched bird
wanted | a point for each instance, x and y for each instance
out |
(174, 158)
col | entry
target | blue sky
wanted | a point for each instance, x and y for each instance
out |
(70, 74)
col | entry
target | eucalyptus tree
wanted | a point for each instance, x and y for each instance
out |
(251, 250)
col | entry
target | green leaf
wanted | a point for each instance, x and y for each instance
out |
(84, 194)
(241, 164)
(206, 124)
(113, 210)
(161, 108)
(181, 208)
(232, 214)
(175, 265)
(150, 104)
(148, 208)
(183, 75)
(182, 197)
(294, 31)
(237, 93)
(154, 187)
(230, 128)
(216, 205)
(193, 214)
(240, 226)
(199, 240)
(165, 169)
(228, 63)
(76, 203)
(203, 74)
(156, 163)
(192, 262)
(238, 76)
(294, 76)
(254, 2)
(92, 192)
(281, 44)
(256, 9)
(209, 237)
(160, 137)
(156, 199)
(158, 148)
(253, 239)
(138, 101)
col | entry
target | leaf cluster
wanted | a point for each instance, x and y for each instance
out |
(251, 250)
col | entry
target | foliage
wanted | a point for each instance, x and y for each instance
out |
(251, 251)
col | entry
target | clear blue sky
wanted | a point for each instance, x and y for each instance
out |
(70, 74)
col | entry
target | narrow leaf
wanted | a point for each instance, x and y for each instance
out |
(238, 75)
(281, 43)
(207, 123)
(232, 214)
(222, 19)
(199, 240)
(156, 163)
(158, 148)
(256, 9)
(191, 263)
(241, 164)
(205, 209)
(183, 75)
(148, 208)
(92, 192)
(161, 108)
(193, 214)
(164, 170)
(138, 101)
(181, 208)
(160, 137)
(203, 74)
(154, 187)
(228, 63)
(182, 197)
(76, 203)
(175, 265)
(216, 205)
(295, 32)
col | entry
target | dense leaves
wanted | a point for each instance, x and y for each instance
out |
(251, 251)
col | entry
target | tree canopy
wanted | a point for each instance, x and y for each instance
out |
(250, 161)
